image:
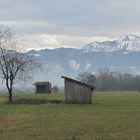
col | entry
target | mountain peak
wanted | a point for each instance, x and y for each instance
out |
(126, 43)
(127, 37)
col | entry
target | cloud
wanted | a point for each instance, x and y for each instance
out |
(38, 41)
(135, 70)
(87, 66)
(28, 26)
(26, 23)
(42, 41)
(52, 68)
(94, 18)
(74, 65)
(70, 23)
(56, 68)
(45, 65)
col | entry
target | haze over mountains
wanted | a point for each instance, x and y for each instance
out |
(122, 54)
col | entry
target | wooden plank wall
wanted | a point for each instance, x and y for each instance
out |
(76, 93)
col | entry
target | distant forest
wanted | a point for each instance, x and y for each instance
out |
(106, 80)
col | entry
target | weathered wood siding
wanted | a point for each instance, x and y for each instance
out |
(43, 87)
(77, 93)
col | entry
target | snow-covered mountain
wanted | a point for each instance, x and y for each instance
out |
(126, 43)
(122, 54)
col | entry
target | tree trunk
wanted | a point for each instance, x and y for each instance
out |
(10, 96)
(10, 91)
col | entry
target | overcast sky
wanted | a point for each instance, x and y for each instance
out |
(69, 23)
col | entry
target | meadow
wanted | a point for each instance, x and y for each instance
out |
(111, 116)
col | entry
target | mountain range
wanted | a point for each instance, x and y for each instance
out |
(126, 44)
(121, 54)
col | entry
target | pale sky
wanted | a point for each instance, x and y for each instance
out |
(41, 24)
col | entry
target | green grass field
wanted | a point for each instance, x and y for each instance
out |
(112, 116)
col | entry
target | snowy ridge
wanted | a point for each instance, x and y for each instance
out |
(126, 43)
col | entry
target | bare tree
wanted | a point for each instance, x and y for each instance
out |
(14, 65)
(106, 80)
(87, 78)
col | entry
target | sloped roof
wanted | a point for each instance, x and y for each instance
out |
(79, 82)
(42, 83)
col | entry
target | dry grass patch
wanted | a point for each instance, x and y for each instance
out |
(36, 101)
(12, 118)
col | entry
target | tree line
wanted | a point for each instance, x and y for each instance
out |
(106, 80)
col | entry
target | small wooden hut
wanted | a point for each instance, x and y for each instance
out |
(43, 87)
(77, 92)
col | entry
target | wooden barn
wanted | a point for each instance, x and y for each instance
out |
(77, 92)
(43, 87)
